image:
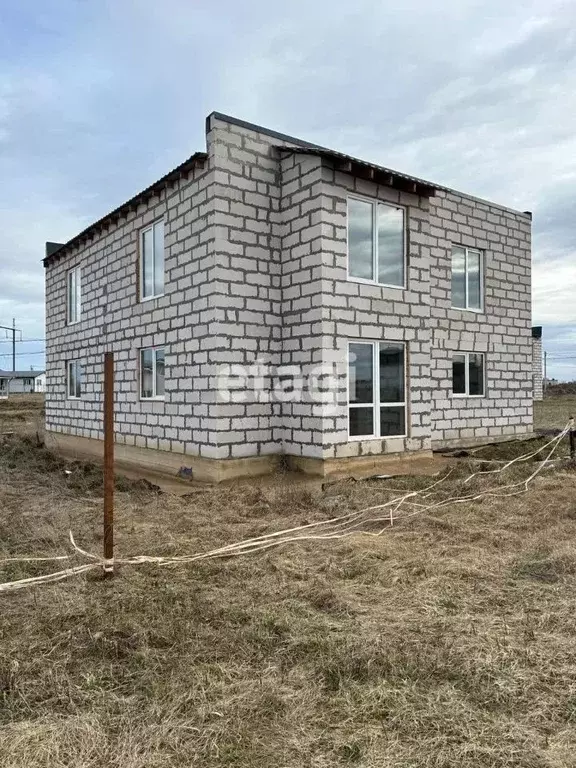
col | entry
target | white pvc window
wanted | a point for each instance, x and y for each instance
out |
(152, 261)
(152, 374)
(73, 296)
(468, 374)
(467, 278)
(74, 379)
(376, 242)
(376, 390)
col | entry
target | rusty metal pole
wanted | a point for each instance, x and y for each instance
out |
(109, 464)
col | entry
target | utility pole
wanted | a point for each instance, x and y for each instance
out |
(14, 331)
(545, 374)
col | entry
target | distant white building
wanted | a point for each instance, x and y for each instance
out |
(21, 382)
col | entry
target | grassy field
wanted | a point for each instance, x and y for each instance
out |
(449, 640)
(554, 411)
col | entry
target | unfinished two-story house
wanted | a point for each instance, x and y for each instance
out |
(270, 299)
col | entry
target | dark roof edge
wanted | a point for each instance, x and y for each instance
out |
(300, 142)
(261, 129)
(314, 147)
(157, 186)
(394, 179)
(21, 374)
(536, 331)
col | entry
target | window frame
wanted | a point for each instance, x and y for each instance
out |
(78, 296)
(141, 273)
(375, 202)
(376, 405)
(466, 356)
(466, 248)
(154, 397)
(78, 378)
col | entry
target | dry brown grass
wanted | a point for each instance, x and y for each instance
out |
(554, 411)
(23, 415)
(448, 641)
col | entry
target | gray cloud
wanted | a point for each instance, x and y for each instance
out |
(97, 99)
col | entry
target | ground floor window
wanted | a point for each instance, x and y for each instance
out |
(376, 389)
(468, 374)
(74, 378)
(151, 373)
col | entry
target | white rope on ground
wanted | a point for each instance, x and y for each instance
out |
(341, 527)
(526, 457)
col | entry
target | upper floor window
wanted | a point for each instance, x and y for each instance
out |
(73, 299)
(152, 261)
(468, 374)
(151, 374)
(73, 379)
(467, 278)
(376, 245)
(376, 390)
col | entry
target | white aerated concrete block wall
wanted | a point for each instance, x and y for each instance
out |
(537, 375)
(502, 330)
(256, 275)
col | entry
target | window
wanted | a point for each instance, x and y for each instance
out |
(375, 242)
(467, 280)
(73, 304)
(74, 375)
(27, 382)
(152, 261)
(151, 374)
(468, 374)
(376, 390)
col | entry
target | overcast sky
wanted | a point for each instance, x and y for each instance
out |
(98, 98)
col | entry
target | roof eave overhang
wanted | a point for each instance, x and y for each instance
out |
(198, 160)
(368, 171)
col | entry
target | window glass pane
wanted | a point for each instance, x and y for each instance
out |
(391, 373)
(458, 277)
(390, 245)
(159, 372)
(474, 295)
(69, 296)
(146, 372)
(77, 288)
(159, 258)
(78, 379)
(361, 421)
(360, 239)
(476, 374)
(69, 380)
(392, 421)
(147, 265)
(459, 374)
(360, 373)
(72, 296)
